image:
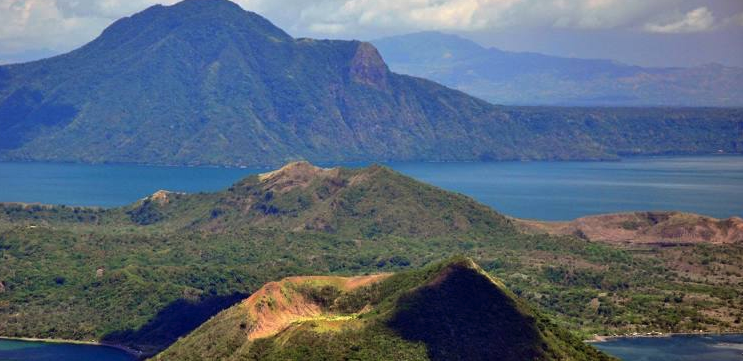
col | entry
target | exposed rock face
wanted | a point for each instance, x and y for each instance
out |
(647, 228)
(2, 287)
(367, 67)
(160, 197)
(292, 175)
(277, 304)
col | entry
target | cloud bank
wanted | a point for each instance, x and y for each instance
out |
(466, 15)
(700, 19)
(60, 25)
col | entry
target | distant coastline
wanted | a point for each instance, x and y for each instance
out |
(136, 353)
(603, 338)
(356, 163)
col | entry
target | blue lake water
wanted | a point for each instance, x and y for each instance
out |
(710, 185)
(12, 350)
(676, 348)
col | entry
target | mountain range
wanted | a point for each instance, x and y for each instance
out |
(204, 82)
(524, 78)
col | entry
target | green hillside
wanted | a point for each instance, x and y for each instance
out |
(205, 82)
(146, 274)
(447, 311)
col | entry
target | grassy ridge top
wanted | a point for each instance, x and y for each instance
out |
(302, 197)
(451, 310)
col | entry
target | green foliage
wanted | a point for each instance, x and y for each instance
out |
(146, 213)
(449, 310)
(132, 283)
(204, 82)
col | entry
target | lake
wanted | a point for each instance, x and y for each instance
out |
(677, 348)
(709, 185)
(13, 350)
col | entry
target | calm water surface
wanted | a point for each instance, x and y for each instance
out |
(676, 348)
(710, 185)
(12, 350)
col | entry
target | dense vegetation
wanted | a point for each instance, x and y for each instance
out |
(504, 77)
(446, 311)
(204, 82)
(130, 274)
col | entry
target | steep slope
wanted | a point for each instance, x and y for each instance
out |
(529, 78)
(205, 82)
(448, 311)
(649, 228)
(228, 87)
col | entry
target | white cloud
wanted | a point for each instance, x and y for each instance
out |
(454, 14)
(65, 24)
(327, 28)
(40, 23)
(697, 20)
(60, 24)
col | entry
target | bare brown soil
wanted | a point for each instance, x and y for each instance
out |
(646, 228)
(161, 197)
(297, 174)
(277, 305)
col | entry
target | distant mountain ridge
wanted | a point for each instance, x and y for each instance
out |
(206, 82)
(524, 78)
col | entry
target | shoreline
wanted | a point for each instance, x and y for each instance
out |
(355, 163)
(603, 338)
(134, 352)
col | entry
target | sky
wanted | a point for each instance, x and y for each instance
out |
(641, 32)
